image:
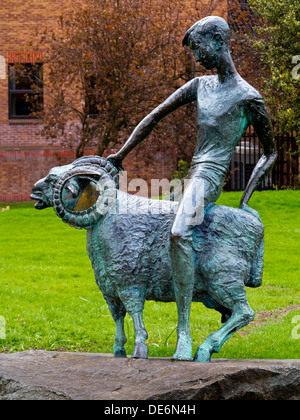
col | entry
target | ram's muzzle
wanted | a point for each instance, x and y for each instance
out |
(40, 193)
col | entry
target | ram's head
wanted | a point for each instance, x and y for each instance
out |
(78, 192)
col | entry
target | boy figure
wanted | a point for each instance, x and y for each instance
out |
(226, 105)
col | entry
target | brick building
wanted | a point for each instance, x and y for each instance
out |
(26, 156)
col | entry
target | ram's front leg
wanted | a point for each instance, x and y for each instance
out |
(134, 301)
(140, 348)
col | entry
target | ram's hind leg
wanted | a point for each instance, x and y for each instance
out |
(257, 266)
(231, 295)
(118, 312)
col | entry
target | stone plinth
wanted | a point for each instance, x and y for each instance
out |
(84, 376)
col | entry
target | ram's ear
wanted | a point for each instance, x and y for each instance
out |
(73, 189)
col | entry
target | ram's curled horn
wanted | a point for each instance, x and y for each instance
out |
(70, 187)
(102, 163)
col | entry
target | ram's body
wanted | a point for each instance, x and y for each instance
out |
(129, 252)
(132, 249)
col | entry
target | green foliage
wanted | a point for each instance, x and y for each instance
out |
(49, 298)
(279, 43)
(182, 170)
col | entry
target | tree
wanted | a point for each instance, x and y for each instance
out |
(110, 64)
(243, 21)
(279, 44)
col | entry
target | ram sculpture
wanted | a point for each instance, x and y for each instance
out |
(128, 246)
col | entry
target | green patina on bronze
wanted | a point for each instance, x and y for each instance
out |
(130, 251)
(162, 255)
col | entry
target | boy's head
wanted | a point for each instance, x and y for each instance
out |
(208, 39)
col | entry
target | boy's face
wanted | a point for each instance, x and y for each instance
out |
(204, 50)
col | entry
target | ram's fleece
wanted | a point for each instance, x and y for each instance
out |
(129, 252)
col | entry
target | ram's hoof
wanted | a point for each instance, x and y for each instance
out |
(120, 353)
(202, 355)
(183, 348)
(140, 351)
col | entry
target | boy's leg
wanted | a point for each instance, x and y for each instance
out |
(190, 212)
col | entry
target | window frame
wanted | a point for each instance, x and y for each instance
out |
(12, 92)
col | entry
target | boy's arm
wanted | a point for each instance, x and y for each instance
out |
(182, 96)
(260, 119)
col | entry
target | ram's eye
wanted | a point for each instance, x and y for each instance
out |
(51, 178)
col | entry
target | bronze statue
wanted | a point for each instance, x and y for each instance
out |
(196, 251)
(226, 106)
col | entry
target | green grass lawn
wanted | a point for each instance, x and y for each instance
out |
(49, 298)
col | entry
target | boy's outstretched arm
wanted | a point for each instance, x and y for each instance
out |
(182, 96)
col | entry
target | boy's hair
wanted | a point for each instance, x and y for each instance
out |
(209, 25)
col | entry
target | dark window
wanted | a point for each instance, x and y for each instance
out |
(25, 90)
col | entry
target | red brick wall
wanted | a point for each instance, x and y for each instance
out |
(26, 156)
(20, 169)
